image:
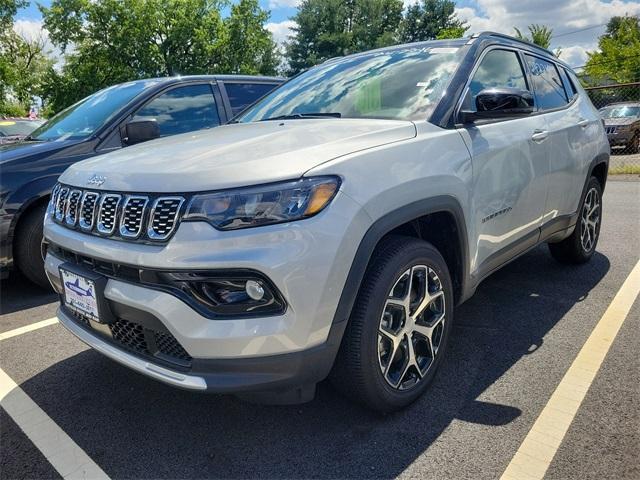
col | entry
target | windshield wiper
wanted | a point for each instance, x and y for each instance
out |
(29, 138)
(294, 116)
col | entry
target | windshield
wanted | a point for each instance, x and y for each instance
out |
(620, 112)
(82, 119)
(404, 84)
(17, 127)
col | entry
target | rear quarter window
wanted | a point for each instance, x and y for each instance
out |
(241, 95)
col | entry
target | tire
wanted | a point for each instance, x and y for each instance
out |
(366, 370)
(27, 242)
(579, 247)
(634, 147)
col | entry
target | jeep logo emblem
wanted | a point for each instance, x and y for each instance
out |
(96, 180)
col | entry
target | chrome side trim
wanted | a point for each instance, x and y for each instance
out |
(171, 377)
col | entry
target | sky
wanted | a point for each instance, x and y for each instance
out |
(576, 23)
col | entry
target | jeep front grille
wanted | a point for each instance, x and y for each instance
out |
(151, 218)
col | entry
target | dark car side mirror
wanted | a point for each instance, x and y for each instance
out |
(497, 103)
(139, 131)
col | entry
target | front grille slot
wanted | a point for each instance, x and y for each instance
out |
(61, 204)
(73, 204)
(133, 216)
(145, 218)
(611, 129)
(163, 217)
(88, 210)
(107, 215)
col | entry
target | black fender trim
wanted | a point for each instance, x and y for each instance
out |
(387, 223)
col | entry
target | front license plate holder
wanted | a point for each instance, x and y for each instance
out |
(83, 293)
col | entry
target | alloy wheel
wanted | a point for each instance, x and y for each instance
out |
(590, 220)
(411, 327)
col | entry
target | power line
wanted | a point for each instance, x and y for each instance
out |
(564, 34)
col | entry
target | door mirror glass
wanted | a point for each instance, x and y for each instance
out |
(497, 103)
(139, 131)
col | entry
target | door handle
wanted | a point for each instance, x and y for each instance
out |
(539, 136)
(583, 123)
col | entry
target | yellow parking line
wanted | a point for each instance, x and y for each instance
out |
(70, 461)
(536, 452)
(28, 328)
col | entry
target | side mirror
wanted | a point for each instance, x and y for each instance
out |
(496, 103)
(140, 131)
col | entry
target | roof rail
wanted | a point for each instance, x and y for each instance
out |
(514, 39)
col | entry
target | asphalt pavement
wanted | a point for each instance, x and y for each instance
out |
(510, 347)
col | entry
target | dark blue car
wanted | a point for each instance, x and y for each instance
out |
(110, 119)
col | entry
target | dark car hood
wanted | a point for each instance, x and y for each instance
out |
(610, 122)
(29, 150)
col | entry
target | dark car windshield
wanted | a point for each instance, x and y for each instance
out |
(18, 127)
(82, 119)
(403, 83)
(621, 111)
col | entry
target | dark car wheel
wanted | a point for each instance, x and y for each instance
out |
(27, 247)
(399, 327)
(581, 244)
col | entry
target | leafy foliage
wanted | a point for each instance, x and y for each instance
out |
(23, 63)
(618, 58)
(429, 19)
(120, 40)
(539, 35)
(330, 28)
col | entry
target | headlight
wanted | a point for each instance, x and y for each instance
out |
(265, 204)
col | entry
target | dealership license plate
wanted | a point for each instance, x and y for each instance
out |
(80, 294)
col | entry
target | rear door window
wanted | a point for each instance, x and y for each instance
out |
(547, 84)
(241, 95)
(182, 109)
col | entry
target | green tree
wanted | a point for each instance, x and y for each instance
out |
(452, 32)
(618, 58)
(23, 63)
(540, 35)
(330, 28)
(120, 40)
(429, 19)
(249, 46)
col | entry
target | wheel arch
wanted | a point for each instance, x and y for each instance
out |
(426, 219)
(28, 197)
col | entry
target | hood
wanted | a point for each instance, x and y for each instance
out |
(235, 155)
(20, 151)
(611, 122)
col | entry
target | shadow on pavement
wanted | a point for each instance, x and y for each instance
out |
(17, 293)
(134, 427)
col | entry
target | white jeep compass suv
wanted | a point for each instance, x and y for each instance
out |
(332, 227)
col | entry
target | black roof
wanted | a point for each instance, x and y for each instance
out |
(163, 81)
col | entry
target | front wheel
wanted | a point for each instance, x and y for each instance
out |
(399, 327)
(580, 246)
(28, 244)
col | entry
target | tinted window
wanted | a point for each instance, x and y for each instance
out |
(403, 83)
(546, 83)
(241, 95)
(88, 115)
(499, 68)
(181, 110)
(569, 87)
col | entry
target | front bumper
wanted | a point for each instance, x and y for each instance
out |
(307, 261)
(287, 377)
(620, 138)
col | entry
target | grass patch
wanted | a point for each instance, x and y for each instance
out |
(624, 169)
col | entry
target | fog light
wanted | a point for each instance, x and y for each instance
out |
(254, 290)
(225, 293)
